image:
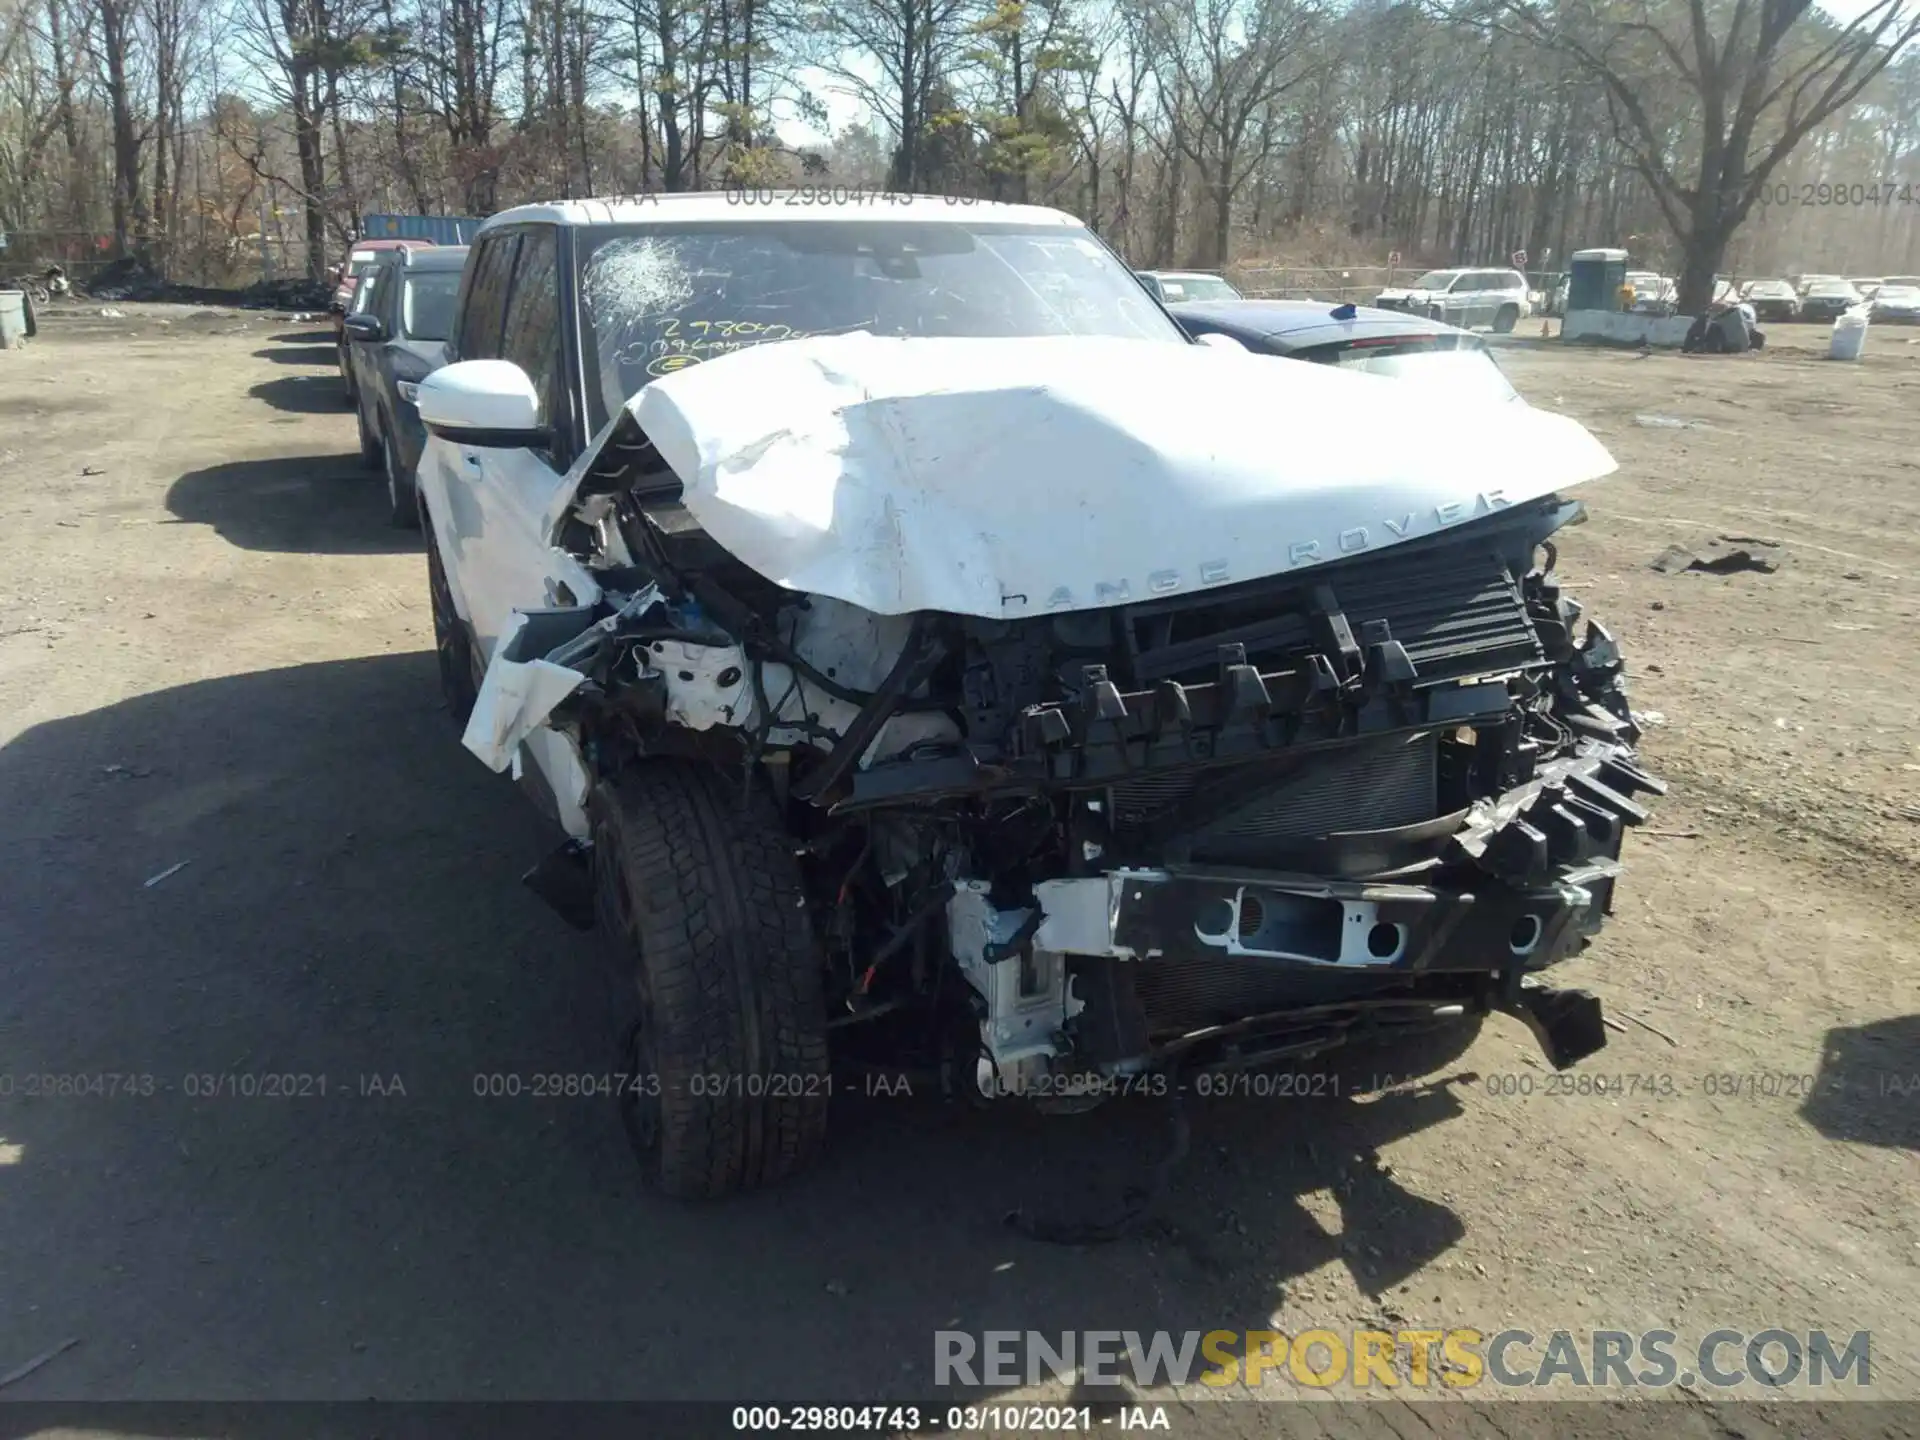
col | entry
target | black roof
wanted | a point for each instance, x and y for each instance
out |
(1301, 324)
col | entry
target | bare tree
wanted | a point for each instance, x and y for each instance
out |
(916, 46)
(1231, 62)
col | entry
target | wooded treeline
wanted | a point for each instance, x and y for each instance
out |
(1193, 132)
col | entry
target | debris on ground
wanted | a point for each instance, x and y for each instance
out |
(1751, 540)
(1674, 559)
(129, 279)
(1669, 422)
(294, 293)
(22, 1371)
(107, 312)
(170, 870)
(1648, 719)
(134, 279)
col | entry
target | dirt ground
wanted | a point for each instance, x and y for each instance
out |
(214, 655)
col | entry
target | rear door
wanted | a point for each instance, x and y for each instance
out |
(1478, 303)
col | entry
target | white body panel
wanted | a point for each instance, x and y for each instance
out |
(490, 517)
(1003, 478)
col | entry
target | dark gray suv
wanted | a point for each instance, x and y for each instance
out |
(394, 343)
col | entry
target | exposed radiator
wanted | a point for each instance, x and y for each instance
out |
(1371, 787)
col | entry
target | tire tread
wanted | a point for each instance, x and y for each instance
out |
(734, 976)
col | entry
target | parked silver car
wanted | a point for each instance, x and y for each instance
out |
(1496, 298)
(1899, 304)
(1174, 286)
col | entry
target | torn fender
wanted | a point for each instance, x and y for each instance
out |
(516, 697)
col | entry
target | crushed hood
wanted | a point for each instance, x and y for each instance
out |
(1003, 478)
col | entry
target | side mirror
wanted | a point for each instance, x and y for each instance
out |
(365, 327)
(1222, 342)
(490, 404)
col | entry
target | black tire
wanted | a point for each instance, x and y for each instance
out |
(728, 1075)
(1505, 319)
(403, 509)
(452, 644)
(346, 376)
(369, 440)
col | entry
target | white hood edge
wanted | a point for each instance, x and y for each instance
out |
(1002, 478)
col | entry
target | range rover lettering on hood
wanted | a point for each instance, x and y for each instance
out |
(1352, 541)
(1001, 478)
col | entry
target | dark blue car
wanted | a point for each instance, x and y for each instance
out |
(1357, 337)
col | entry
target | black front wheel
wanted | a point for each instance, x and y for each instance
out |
(369, 440)
(452, 642)
(727, 1078)
(403, 509)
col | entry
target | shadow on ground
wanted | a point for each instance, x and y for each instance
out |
(320, 394)
(303, 337)
(317, 355)
(1868, 1086)
(305, 1182)
(316, 504)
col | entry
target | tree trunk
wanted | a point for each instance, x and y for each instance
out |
(1705, 250)
(129, 197)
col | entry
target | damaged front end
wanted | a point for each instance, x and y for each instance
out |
(1222, 829)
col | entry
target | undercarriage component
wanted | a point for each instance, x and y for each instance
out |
(1024, 995)
(1567, 1023)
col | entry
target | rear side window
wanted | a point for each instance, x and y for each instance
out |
(531, 339)
(486, 298)
(429, 304)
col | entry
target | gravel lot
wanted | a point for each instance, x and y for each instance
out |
(215, 655)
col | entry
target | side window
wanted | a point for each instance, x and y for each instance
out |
(363, 292)
(532, 335)
(486, 299)
(387, 301)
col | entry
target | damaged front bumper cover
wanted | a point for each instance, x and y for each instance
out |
(1526, 880)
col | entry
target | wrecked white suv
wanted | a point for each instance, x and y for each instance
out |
(937, 661)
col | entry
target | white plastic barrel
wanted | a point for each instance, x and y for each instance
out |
(1849, 335)
(13, 319)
